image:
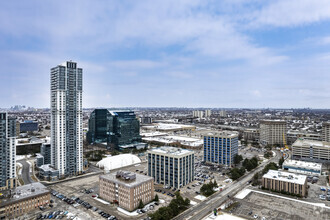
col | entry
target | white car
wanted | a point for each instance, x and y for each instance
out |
(255, 216)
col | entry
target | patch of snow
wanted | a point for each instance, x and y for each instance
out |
(193, 202)
(223, 216)
(242, 194)
(200, 197)
(102, 201)
(134, 213)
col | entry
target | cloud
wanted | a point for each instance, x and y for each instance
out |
(283, 13)
(188, 52)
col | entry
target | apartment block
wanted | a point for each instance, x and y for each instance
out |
(198, 114)
(171, 166)
(310, 150)
(220, 147)
(7, 152)
(284, 181)
(66, 119)
(208, 113)
(273, 132)
(127, 189)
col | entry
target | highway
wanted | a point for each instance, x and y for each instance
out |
(26, 172)
(204, 208)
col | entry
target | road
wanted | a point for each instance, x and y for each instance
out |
(204, 208)
(26, 172)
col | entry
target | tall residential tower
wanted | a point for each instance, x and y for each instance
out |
(7, 152)
(66, 119)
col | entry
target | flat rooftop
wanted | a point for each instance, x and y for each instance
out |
(275, 121)
(300, 142)
(303, 164)
(47, 167)
(226, 134)
(285, 176)
(130, 183)
(188, 141)
(171, 151)
(24, 192)
(169, 127)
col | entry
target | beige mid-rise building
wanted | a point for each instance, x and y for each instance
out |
(273, 132)
(326, 131)
(284, 181)
(127, 189)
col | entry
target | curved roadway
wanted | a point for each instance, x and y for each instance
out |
(26, 172)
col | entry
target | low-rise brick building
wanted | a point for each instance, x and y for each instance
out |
(127, 189)
(23, 199)
(285, 182)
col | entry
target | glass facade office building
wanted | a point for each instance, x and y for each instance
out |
(7, 152)
(100, 126)
(116, 128)
(221, 147)
(170, 166)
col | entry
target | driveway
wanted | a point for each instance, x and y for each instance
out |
(26, 172)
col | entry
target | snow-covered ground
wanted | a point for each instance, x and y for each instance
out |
(223, 216)
(242, 194)
(134, 213)
(193, 202)
(21, 157)
(20, 170)
(30, 166)
(200, 197)
(102, 201)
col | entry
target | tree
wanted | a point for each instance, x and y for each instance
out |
(237, 159)
(141, 205)
(270, 166)
(156, 198)
(215, 184)
(176, 206)
(255, 179)
(241, 171)
(281, 161)
(269, 147)
(236, 173)
(207, 189)
(268, 154)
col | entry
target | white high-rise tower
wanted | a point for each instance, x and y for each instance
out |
(66, 119)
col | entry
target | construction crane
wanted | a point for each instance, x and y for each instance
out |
(284, 142)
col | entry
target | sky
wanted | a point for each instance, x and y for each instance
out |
(169, 53)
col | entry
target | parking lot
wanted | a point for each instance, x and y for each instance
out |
(318, 193)
(260, 206)
(249, 152)
(87, 190)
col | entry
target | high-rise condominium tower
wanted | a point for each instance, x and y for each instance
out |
(7, 152)
(66, 119)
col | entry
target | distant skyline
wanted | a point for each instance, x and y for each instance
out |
(188, 53)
